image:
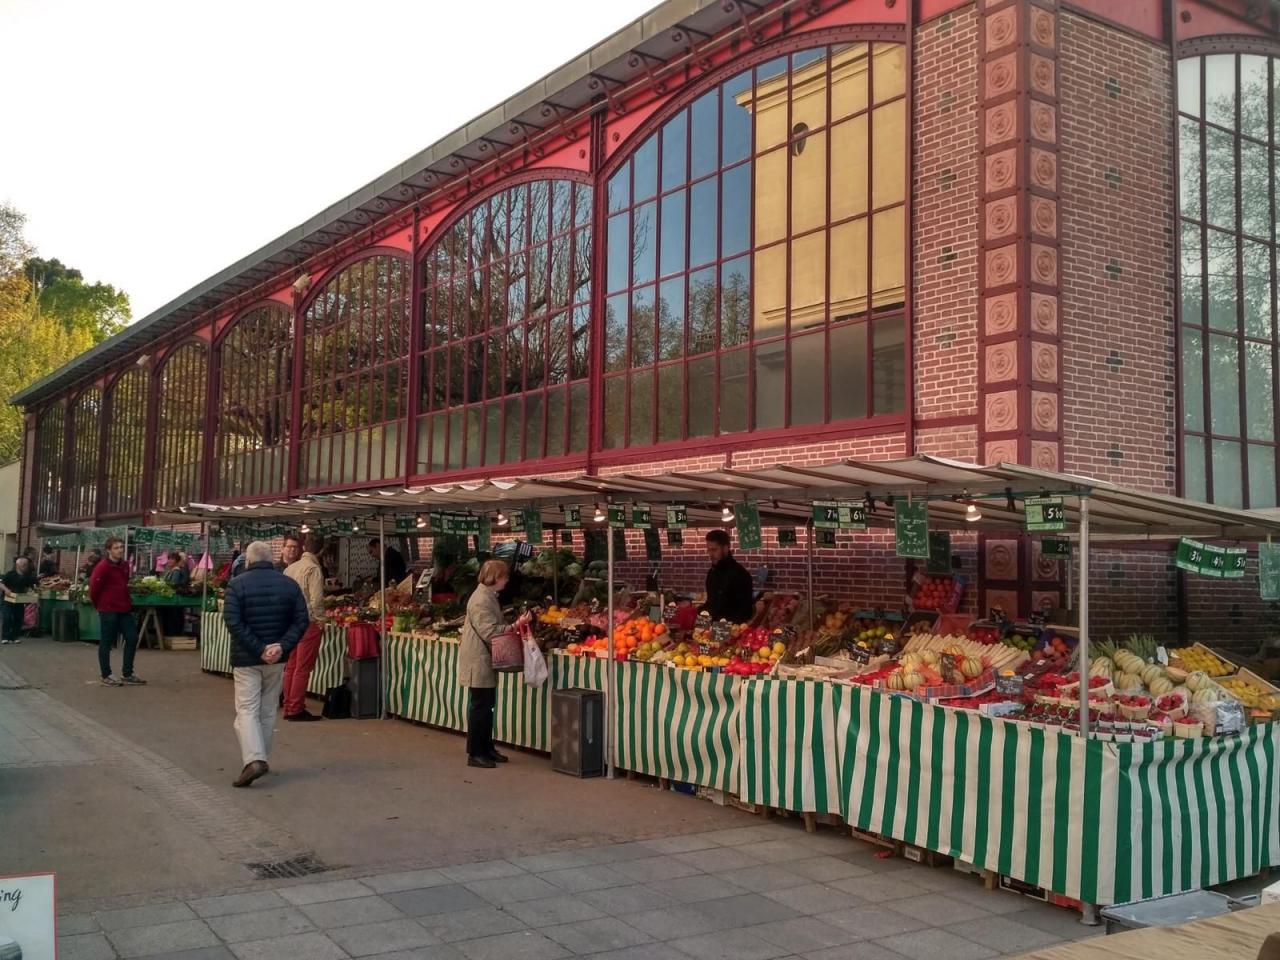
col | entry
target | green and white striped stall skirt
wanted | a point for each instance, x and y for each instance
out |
(331, 663)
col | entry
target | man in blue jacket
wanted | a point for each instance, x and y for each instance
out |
(267, 616)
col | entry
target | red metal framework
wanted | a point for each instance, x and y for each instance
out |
(354, 374)
(124, 454)
(742, 290)
(1229, 274)
(47, 471)
(252, 394)
(506, 330)
(183, 391)
(82, 455)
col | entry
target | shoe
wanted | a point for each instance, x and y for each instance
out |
(251, 772)
(111, 682)
(497, 757)
(481, 762)
(133, 680)
(302, 717)
(16, 640)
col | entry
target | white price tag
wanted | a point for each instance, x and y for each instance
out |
(1162, 656)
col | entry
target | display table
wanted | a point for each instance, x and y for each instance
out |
(90, 628)
(150, 630)
(330, 669)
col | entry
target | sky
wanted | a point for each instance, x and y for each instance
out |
(155, 143)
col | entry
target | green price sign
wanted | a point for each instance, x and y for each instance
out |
(641, 518)
(515, 521)
(1190, 555)
(677, 517)
(911, 529)
(533, 526)
(750, 536)
(1045, 514)
(484, 536)
(404, 524)
(435, 523)
(786, 536)
(675, 537)
(652, 545)
(826, 538)
(469, 525)
(826, 515)
(573, 517)
(1237, 563)
(1215, 561)
(939, 552)
(852, 514)
(1269, 570)
(1055, 547)
(617, 517)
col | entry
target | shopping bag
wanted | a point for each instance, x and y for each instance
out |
(535, 664)
(507, 652)
(31, 616)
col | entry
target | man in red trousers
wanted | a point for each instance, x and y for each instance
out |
(309, 576)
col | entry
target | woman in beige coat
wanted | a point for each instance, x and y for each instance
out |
(475, 662)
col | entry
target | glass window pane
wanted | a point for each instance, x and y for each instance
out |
(735, 210)
(1193, 472)
(1189, 166)
(493, 434)
(1256, 280)
(644, 163)
(582, 204)
(1220, 178)
(455, 440)
(514, 430)
(672, 253)
(675, 150)
(671, 319)
(770, 104)
(1192, 380)
(849, 80)
(1255, 181)
(1222, 281)
(561, 206)
(555, 422)
(615, 333)
(808, 91)
(849, 269)
(1259, 386)
(770, 291)
(702, 397)
(736, 101)
(438, 462)
(735, 302)
(533, 426)
(770, 384)
(847, 371)
(704, 295)
(644, 244)
(808, 182)
(619, 243)
(1262, 477)
(578, 418)
(887, 252)
(558, 349)
(888, 134)
(888, 366)
(1224, 385)
(1220, 90)
(1227, 480)
(581, 350)
(1192, 275)
(641, 408)
(1254, 106)
(807, 391)
(849, 168)
(889, 73)
(539, 210)
(808, 281)
(771, 197)
(733, 392)
(670, 402)
(703, 217)
(642, 323)
(704, 123)
(1189, 85)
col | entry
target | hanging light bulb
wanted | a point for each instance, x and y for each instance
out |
(599, 515)
(726, 515)
(422, 521)
(355, 526)
(972, 513)
(304, 529)
(502, 519)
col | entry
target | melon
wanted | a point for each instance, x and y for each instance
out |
(930, 658)
(912, 680)
(1101, 667)
(1205, 695)
(1161, 685)
(971, 667)
(895, 681)
(1151, 673)
(1129, 681)
(1197, 680)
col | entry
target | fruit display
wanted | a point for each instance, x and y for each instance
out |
(1201, 659)
(1252, 695)
(151, 587)
(936, 593)
(986, 634)
(998, 658)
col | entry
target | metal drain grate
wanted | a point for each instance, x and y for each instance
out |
(303, 866)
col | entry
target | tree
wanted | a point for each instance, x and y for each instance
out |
(98, 308)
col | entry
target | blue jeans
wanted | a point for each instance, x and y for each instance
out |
(114, 624)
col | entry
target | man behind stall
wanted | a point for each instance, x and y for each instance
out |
(17, 581)
(397, 569)
(730, 593)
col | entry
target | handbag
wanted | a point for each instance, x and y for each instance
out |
(507, 652)
(362, 642)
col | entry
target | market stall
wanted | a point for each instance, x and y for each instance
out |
(330, 669)
(1090, 772)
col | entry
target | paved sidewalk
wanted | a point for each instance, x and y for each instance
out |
(750, 893)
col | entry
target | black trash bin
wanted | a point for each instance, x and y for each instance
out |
(66, 625)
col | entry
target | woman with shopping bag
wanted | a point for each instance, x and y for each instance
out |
(488, 645)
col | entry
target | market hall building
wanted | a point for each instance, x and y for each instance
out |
(741, 233)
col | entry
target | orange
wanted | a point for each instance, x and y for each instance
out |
(659, 629)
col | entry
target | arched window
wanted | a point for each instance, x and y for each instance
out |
(354, 375)
(126, 443)
(1229, 202)
(756, 254)
(47, 468)
(255, 373)
(506, 335)
(180, 425)
(86, 434)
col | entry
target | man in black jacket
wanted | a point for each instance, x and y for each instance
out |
(730, 593)
(267, 616)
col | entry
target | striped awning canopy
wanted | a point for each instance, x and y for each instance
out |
(785, 494)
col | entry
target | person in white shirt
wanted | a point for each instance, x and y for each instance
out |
(309, 576)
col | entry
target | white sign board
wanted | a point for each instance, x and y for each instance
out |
(26, 916)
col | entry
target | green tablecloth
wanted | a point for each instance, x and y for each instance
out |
(90, 628)
(329, 671)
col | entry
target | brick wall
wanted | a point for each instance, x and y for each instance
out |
(945, 198)
(1117, 166)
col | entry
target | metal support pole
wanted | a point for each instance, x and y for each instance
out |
(204, 577)
(382, 621)
(1070, 586)
(555, 570)
(610, 664)
(813, 532)
(1084, 617)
